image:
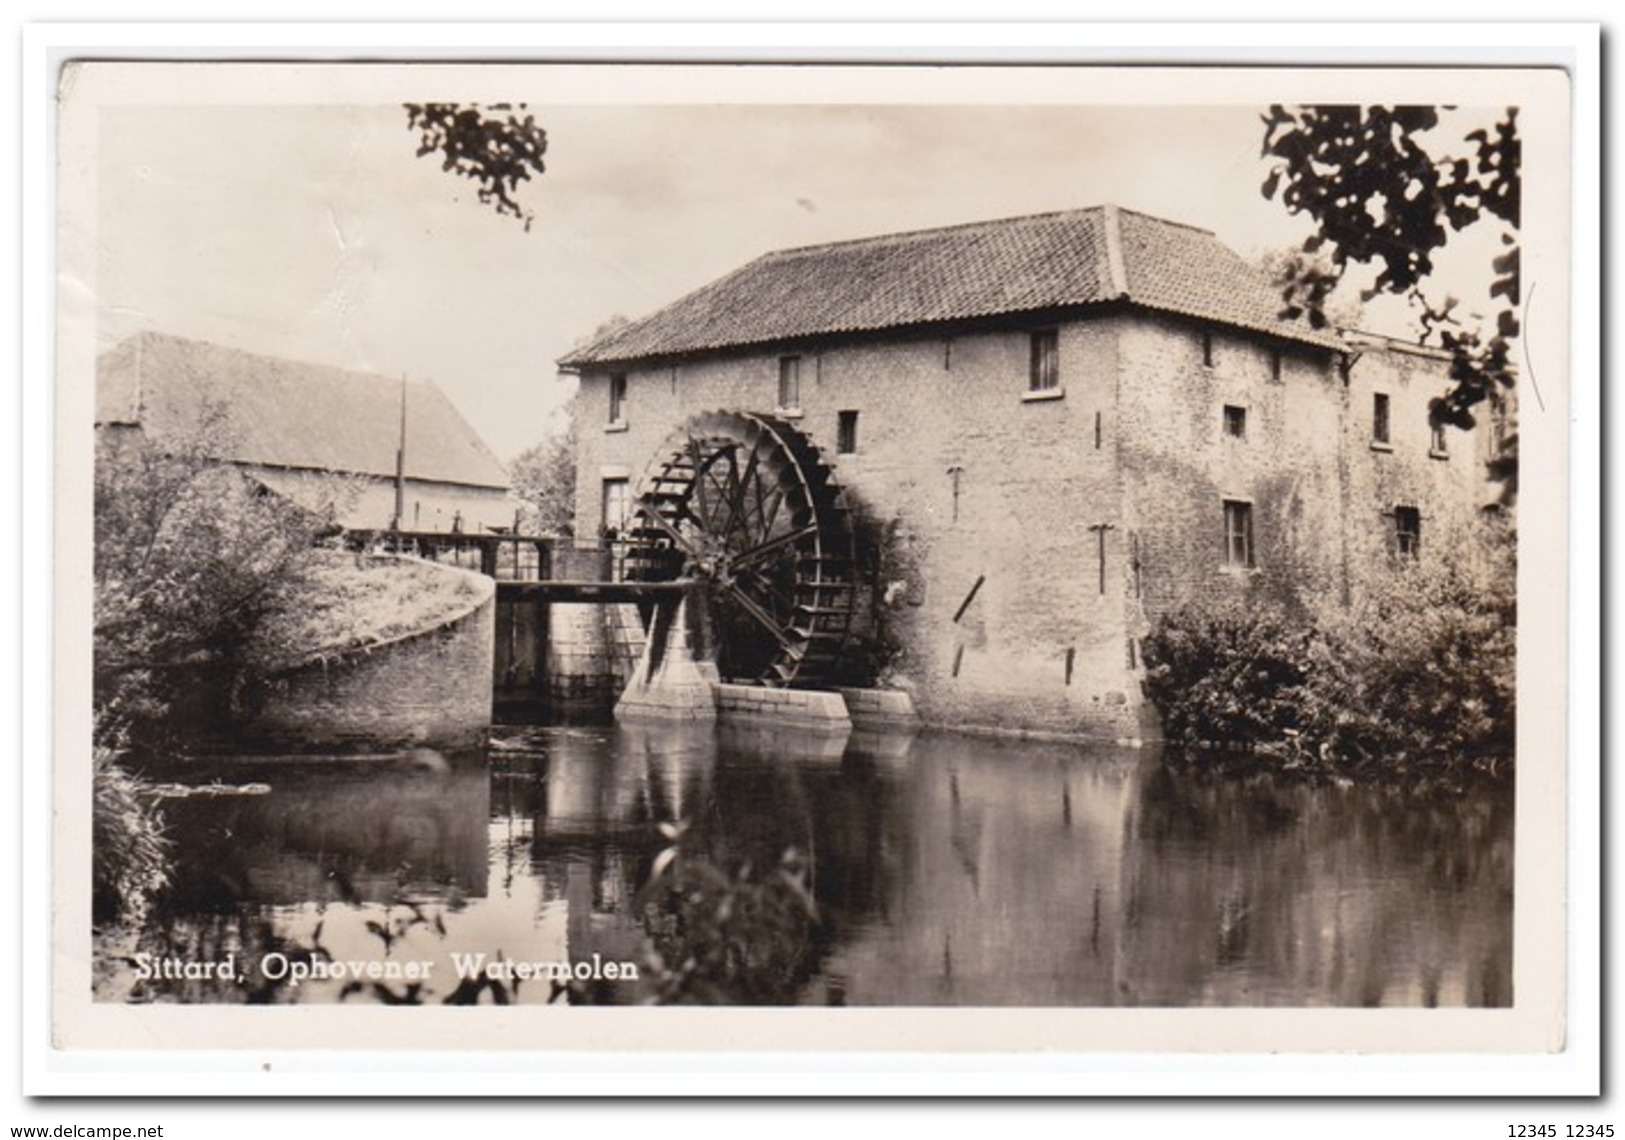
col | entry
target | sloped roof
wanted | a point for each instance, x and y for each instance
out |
(983, 269)
(289, 414)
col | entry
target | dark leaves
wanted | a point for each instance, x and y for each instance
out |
(497, 146)
(1380, 197)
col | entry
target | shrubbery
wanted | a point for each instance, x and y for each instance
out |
(129, 854)
(189, 556)
(1418, 678)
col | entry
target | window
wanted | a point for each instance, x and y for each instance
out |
(846, 433)
(617, 398)
(617, 506)
(1277, 364)
(1207, 349)
(1044, 373)
(1235, 421)
(789, 382)
(1379, 418)
(1238, 534)
(1408, 532)
(1438, 444)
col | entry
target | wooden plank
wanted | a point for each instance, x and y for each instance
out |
(604, 593)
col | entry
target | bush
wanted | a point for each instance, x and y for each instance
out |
(189, 555)
(1418, 678)
(1232, 676)
(1424, 672)
(735, 932)
(130, 855)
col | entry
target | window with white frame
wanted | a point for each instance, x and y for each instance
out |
(1044, 361)
(1238, 534)
(617, 507)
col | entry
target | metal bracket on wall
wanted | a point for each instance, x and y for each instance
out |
(969, 598)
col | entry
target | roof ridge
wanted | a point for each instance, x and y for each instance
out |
(1166, 221)
(931, 231)
(1116, 268)
(278, 398)
(277, 359)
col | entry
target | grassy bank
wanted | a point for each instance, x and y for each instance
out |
(341, 602)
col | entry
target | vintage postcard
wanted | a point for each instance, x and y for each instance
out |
(744, 558)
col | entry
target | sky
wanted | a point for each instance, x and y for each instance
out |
(312, 231)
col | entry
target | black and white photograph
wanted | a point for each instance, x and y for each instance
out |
(961, 557)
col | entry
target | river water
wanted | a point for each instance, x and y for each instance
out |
(908, 869)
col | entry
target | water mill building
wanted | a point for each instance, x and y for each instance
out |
(977, 463)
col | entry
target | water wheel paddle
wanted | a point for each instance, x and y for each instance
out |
(740, 504)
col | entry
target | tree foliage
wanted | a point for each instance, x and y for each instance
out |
(1386, 192)
(544, 476)
(1418, 681)
(130, 854)
(734, 931)
(189, 557)
(498, 146)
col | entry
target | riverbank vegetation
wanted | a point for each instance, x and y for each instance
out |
(1416, 680)
(342, 602)
(205, 585)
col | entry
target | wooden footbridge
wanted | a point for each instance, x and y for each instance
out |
(523, 565)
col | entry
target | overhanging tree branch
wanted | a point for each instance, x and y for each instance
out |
(1382, 194)
(497, 146)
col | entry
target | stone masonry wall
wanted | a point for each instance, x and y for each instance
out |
(1322, 493)
(1447, 487)
(430, 689)
(1181, 465)
(1038, 538)
(1030, 480)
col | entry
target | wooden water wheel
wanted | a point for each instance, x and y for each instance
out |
(741, 505)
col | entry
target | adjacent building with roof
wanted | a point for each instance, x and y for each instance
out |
(314, 433)
(1056, 429)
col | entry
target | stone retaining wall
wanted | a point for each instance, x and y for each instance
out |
(431, 688)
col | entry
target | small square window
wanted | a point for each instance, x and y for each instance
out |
(1238, 534)
(617, 398)
(1235, 421)
(846, 432)
(1408, 532)
(789, 382)
(1044, 372)
(1379, 418)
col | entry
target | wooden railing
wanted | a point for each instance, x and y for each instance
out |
(505, 557)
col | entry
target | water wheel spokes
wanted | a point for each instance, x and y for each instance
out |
(742, 504)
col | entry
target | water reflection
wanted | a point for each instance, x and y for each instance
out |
(940, 869)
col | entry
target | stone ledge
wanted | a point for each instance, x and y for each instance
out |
(879, 707)
(808, 708)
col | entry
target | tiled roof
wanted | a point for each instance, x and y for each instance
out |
(984, 269)
(288, 414)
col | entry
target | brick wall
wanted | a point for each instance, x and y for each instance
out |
(1084, 514)
(1029, 476)
(433, 689)
(1181, 465)
(1448, 488)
